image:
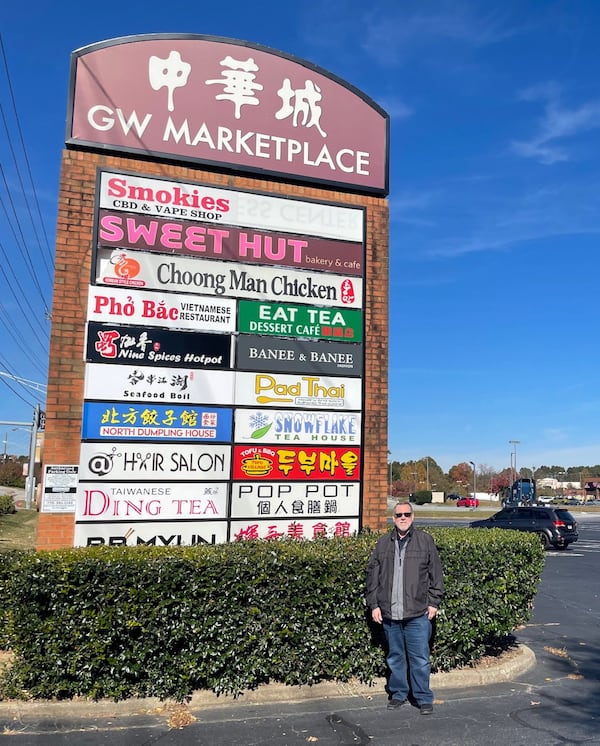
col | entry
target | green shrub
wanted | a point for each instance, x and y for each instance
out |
(147, 621)
(7, 504)
(421, 497)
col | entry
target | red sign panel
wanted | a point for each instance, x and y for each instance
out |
(205, 240)
(296, 462)
(221, 102)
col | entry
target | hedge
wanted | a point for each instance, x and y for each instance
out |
(117, 622)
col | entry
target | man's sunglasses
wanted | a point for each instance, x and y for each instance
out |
(402, 515)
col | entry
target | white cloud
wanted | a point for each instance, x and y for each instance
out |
(391, 38)
(396, 108)
(557, 124)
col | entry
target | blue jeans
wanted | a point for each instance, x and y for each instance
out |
(408, 655)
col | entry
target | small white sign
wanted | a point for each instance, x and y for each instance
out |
(59, 488)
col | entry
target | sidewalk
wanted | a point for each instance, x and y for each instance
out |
(507, 667)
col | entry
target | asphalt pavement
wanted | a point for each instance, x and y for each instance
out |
(544, 692)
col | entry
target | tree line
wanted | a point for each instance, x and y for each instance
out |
(406, 477)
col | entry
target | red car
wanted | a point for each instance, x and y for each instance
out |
(467, 502)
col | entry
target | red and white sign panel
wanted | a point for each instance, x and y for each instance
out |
(127, 501)
(129, 306)
(301, 528)
(309, 392)
(140, 269)
(150, 533)
(209, 204)
(217, 101)
(296, 462)
(173, 236)
(295, 499)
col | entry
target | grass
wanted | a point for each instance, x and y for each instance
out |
(17, 530)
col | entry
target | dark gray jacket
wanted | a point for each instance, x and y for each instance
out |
(422, 574)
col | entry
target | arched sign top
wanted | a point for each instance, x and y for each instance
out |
(229, 104)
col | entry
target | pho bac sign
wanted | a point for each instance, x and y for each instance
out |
(169, 235)
(147, 271)
(173, 311)
(223, 102)
(205, 205)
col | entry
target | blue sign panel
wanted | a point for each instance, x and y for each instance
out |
(158, 422)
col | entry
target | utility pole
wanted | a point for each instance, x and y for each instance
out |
(41, 388)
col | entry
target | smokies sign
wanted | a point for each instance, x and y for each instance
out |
(134, 193)
(221, 102)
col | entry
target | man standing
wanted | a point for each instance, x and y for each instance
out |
(405, 586)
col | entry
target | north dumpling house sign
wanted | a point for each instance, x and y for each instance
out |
(227, 104)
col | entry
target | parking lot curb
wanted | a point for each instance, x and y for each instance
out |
(506, 667)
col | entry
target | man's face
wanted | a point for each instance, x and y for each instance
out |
(403, 517)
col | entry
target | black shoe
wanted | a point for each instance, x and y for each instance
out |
(426, 709)
(394, 704)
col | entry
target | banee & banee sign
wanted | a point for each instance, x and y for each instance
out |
(213, 100)
(299, 356)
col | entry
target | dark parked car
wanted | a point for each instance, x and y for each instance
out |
(555, 526)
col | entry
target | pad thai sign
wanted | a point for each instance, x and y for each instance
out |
(217, 101)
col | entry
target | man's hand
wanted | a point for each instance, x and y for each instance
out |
(376, 615)
(431, 612)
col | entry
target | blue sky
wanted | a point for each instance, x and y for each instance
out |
(494, 201)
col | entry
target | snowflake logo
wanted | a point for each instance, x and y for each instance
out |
(260, 425)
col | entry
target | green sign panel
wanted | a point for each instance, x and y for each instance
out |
(286, 320)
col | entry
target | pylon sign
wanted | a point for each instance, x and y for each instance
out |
(210, 100)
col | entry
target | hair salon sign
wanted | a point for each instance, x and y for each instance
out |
(227, 103)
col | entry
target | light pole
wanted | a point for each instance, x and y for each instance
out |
(513, 458)
(474, 483)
